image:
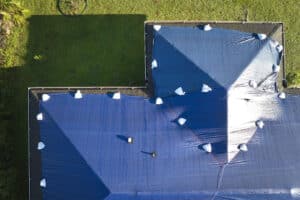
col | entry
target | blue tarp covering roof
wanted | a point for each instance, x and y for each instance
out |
(189, 57)
(87, 156)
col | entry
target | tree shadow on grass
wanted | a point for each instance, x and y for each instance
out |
(86, 50)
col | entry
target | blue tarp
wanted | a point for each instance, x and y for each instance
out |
(189, 57)
(87, 155)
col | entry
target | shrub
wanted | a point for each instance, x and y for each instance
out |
(12, 16)
(12, 11)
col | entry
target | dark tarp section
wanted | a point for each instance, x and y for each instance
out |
(97, 126)
(72, 177)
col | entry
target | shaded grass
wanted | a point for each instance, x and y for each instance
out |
(104, 49)
(86, 50)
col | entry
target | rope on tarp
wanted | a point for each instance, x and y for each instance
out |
(219, 181)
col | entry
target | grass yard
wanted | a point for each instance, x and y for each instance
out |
(105, 46)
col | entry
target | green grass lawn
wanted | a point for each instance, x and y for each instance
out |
(85, 50)
(105, 47)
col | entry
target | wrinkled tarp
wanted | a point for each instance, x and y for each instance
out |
(188, 57)
(87, 156)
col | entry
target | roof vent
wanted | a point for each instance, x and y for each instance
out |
(41, 146)
(45, 97)
(181, 121)
(159, 101)
(116, 95)
(40, 117)
(207, 147)
(207, 27)
(206, 88)
(78, 95)
(179, 91)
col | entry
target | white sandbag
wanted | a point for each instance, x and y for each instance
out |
(243, 147)
(260, 124)
(181, 121)
(261, 36)
(43, 183)
(206, 88)
(179, 91)
(130, 140)
(207, 27)
(40, 117)
(154, 64)
(159, 101)
(276, 68)
(282, 95)
(116, 95)
(78, 94)
(295, 193)
(157, 27)
(45, 97)
(207, 147)
(41, 146)
(279, 48)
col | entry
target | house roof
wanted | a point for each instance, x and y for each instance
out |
(190, 145)
(190, 57)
